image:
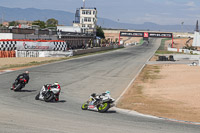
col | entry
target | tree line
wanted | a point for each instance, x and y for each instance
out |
(53, 23)
(42, 24)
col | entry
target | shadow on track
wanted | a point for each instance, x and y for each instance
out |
(26, 91)
(107, 112)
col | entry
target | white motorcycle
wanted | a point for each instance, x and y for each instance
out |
(101, 103)
(48, 93)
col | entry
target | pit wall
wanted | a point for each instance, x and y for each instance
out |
(44, 53)
(97, 49)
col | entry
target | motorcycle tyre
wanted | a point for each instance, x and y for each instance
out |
(51, 97)
(84, 106)
(37, 96)
(18, 87)
(100, 110)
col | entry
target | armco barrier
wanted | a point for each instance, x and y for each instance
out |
(7, 54)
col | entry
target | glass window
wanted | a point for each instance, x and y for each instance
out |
(89, 19)
(85, 19)
(83, 12)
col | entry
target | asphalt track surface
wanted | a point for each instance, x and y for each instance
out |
(113, 71)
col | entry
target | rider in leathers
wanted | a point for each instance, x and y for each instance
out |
(55, 86)
(22, 76)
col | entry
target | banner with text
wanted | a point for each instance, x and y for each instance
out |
(146, 34)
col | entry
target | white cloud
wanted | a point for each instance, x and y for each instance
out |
(190, 4)
(170, 3)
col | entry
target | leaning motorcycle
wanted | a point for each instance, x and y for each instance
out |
(19, 84)
(48, 94)
(102, 104)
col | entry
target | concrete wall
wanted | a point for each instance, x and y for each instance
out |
(43, 53)
(92, 50)
(6, 36)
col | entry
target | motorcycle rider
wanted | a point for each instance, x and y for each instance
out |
(54, 86)
(24, 75)
(95, 98)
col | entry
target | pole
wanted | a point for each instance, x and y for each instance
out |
(83, 3)
(119, 38)
(172, 40)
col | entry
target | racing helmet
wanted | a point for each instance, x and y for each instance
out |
(56, 83)
(107, 92)
(93, 94)
(27, 72)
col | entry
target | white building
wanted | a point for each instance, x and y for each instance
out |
(196, 40)
(86, 19)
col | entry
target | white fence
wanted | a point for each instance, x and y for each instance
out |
(43, 53)
(186, 51)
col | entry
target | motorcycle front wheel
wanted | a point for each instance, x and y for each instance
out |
(84, 106)
(49, 97)
(18, 87)
(103, 107)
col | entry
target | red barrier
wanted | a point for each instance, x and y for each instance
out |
(31, 40)
(7, 54)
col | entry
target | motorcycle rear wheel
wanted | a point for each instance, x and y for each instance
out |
(37, 96)
(103, 107)
(84, 106)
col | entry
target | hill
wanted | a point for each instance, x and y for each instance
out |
(66, 18)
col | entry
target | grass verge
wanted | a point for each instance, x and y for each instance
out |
(134, 98)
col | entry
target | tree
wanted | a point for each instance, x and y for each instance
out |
(100, 32)
(40, 23)
(52, 22)
(13, 23)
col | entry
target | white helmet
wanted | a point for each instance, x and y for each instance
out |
(56, 83)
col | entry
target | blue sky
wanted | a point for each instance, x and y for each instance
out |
(129, 11)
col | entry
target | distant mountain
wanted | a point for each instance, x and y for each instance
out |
(67, 18)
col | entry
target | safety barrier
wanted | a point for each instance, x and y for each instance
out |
(43, 53)
(7, 54)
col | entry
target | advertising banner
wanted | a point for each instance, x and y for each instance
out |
(161, 35)
(25, 45)
(146, 34)
(132, 34)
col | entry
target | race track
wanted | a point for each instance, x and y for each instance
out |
(113, 71)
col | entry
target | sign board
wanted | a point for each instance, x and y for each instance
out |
(161, 35)
(26, 45)
(146, 34)
(132, 34)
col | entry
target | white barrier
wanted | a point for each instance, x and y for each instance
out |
(186, 51)
(44, 53)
